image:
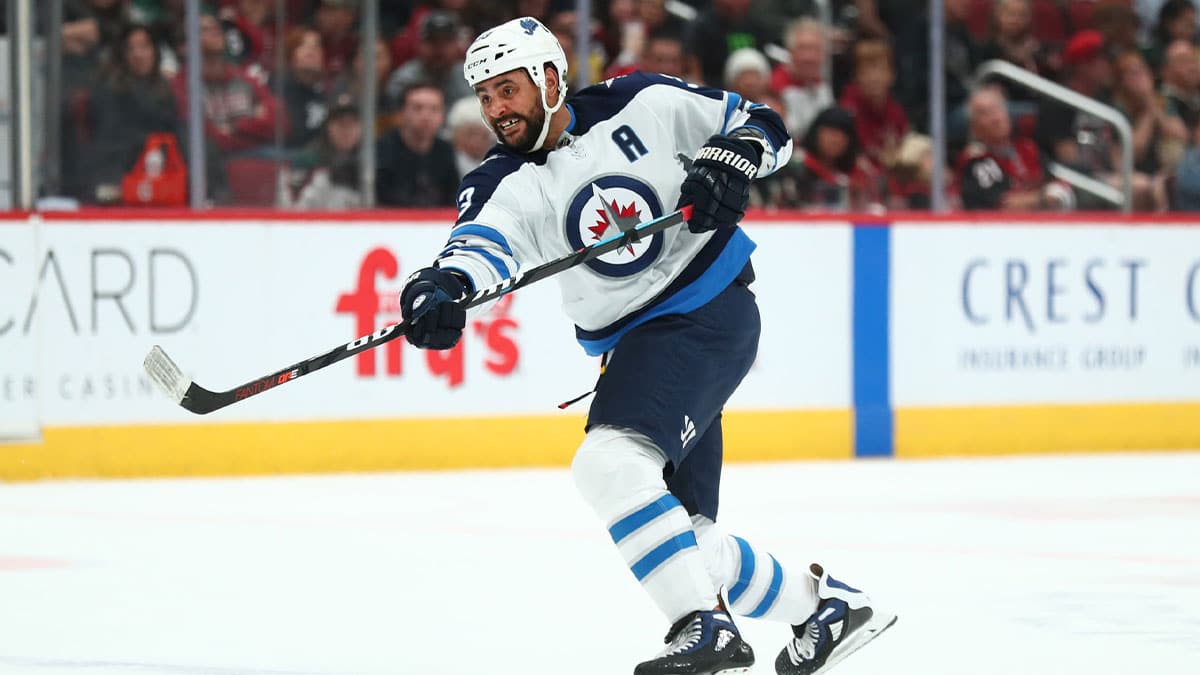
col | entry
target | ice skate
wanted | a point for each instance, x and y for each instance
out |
(843, 622)
(702, 643)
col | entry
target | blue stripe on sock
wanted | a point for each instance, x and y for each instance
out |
(662, 553)
(634, 521)
(772, 595)
(745, 571)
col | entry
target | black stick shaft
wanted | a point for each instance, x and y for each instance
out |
(202, 401)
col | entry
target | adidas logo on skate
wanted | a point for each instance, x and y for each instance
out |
(689, 431)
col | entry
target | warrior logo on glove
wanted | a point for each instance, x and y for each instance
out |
(718, 182)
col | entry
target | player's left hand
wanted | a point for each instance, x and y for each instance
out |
(718, 184)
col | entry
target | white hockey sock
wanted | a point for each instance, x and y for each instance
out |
(619, 473)
(757, 585)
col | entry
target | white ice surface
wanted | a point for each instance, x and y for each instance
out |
(1051, 566)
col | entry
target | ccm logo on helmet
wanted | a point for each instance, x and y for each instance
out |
(473, 64)
(729, 158)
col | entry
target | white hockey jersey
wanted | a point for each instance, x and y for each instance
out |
(623, 159)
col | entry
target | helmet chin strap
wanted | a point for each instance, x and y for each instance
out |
(562, 96)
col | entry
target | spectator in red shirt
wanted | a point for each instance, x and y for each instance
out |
(801, 81)
(997, 172)
(239, 112)
(878, 117)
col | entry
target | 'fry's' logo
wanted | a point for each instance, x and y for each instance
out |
(376, 309)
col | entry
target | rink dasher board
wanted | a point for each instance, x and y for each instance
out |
(232, 298)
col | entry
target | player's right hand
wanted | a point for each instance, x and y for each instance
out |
(428, 304)
(718, 183)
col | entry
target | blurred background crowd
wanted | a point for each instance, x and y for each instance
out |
(283, 123)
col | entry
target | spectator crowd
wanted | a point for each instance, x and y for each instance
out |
(282, 122)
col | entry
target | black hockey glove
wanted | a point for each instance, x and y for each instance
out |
(718, 183)
(427, 302)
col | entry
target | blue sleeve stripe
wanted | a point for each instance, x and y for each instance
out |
(772, 595)
(732, 101)
(662, 553)
(745, 571)
(476, 230)
(636, 520)
(495, 262)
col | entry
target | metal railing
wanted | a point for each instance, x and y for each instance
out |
(1049, 89)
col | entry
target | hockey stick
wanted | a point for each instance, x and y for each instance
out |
(201, 401)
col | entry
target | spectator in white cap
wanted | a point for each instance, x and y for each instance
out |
(748, 74)
(469, 134)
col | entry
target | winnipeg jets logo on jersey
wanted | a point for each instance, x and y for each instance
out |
(609, 206)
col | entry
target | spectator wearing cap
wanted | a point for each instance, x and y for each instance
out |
(326, 175)
(748, 74)
(469, 134)
(878, 118)
(335, 20)
(801, 81)
(999, 173)
(414, 167)
(720, 30)
(303, 86)
(1181, 83)
(1069, 136)
(439, 59)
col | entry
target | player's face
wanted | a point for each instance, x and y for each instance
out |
(512, 106)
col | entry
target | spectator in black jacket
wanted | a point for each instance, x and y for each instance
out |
(415, 167)
(130, 102)
(303, 86)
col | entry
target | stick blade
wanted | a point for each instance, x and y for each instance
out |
(166, 374)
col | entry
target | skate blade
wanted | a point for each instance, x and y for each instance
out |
(871, 630)
(734, 671)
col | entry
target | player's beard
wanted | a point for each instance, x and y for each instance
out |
(533, 128)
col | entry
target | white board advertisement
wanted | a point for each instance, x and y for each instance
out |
(994, 315)
(231, 302)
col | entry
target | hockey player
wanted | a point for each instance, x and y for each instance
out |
(672, 314)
